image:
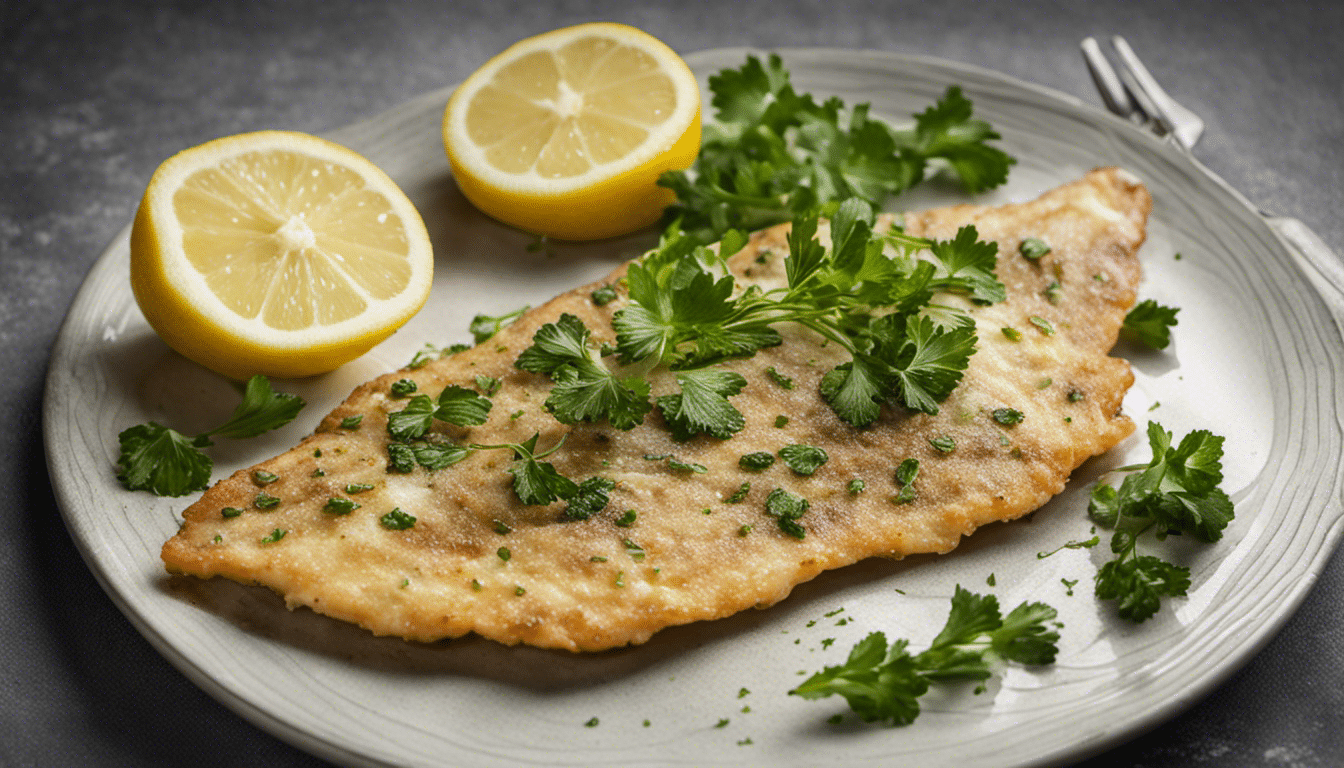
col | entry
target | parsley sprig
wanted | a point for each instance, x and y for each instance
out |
(883, 683)
(1150, 323)
(1175, 493)
(165, 462)
(773, 152)
(688, 314)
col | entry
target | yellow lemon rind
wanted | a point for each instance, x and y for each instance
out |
(192, 320)
(610, 200)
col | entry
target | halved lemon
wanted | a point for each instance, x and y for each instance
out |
(565, 134)
(276, 253)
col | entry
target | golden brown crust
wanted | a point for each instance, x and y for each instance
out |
(582, 587)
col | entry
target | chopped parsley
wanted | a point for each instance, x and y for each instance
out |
(756, 462)
(488, 385)
(1007, 416)
(737, 496)
(604, 295)
(354, 488)
(803, 459)
(943, 443)
(265, 500)
(1044, 326)
(855, 486)
(230, 512)
(352, 422)
(1012, 334)
(627, 519)
(396, 520)
(592, 497)
(403, 387)
(262, 477)
(787, 508)
(274, 536)
(779, 378)
(1033, 248)
(338, 506)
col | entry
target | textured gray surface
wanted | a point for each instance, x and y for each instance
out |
(94, 95)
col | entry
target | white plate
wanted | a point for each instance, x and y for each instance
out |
(1256, 358)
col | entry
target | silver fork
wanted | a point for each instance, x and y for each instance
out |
(1134, 93)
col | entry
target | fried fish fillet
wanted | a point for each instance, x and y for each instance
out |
(689, 554)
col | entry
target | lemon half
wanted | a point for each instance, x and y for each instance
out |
(276, 253)
(565, 134)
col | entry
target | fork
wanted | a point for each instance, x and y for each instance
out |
(1134, 93)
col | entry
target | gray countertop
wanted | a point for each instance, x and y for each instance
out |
(94, 95)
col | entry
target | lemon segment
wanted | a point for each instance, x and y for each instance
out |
(276, 253)
(565, 134)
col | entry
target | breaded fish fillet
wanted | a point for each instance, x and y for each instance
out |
(690, 555)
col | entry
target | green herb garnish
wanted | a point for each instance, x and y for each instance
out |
(756, 462)
(787, 508)
(883, 683)
(1150, 323)
(396, 520)
(338, 506)
(1033, 248)
(483, 327)
(1176, 492)
(165, 462)
(803, 459)
(772, 151)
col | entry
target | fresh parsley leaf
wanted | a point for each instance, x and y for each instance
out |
(931, 363)
(590, 498)
(883, 683)
(165, 462)
(339, 506)
(737, 496)
(1150, 323)
(412, 421)
(460, 406)
(437, 455)
(604, 295)
(262, 410)
(585, 390)
(483, 327)
(534, 481)
(968, 264)
(400, 458)
(162, 461)
(702, 405)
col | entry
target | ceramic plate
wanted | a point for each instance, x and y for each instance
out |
(1256, 358)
